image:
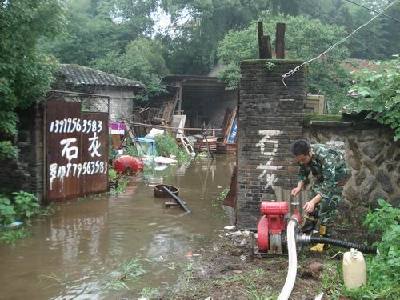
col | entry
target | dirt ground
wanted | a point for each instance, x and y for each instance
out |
(228, 270)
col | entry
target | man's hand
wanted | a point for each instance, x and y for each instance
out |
(295, 191)
(309, 206)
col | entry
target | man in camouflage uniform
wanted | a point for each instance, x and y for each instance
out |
(328, 167)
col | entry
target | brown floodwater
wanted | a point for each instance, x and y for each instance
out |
(79, 252)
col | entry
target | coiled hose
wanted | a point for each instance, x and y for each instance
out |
(325, 240)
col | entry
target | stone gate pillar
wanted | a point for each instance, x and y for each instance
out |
(270, 119)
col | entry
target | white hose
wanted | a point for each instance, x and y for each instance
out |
(292, 270)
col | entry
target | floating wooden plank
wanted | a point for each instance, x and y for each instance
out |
(179, 200)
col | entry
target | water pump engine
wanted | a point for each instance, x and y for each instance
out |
(271, 230)
(272, 226)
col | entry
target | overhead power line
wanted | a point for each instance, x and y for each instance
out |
(293, 71)
(373, 10)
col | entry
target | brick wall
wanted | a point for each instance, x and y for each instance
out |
(270, 119)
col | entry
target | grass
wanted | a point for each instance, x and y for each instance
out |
(217, 202)
(125, 273)
(149, 293)
(332, 284)
(121, 187)
(249, 285)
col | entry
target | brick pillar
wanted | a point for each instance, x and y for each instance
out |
(270, 119)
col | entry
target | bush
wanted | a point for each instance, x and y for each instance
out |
(23, 206)
(166, 146)
(378, 91)
(384, 268)
(7, 212)
(26, 205)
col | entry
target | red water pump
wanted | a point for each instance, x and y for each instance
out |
(271, 230)
(272, 226)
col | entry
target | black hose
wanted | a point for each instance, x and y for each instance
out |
(362, 248)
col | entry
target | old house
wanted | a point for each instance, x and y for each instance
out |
(109, 93)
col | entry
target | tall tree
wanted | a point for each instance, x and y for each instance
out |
(25, 73)
(324, 76)
(142, 60)
(96, 27)
(192, 49)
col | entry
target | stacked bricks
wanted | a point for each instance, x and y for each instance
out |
(270, 119)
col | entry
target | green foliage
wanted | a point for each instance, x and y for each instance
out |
(141, 61)
(26, 205)
(118, 182)
(108, 35)
(378, 91)
(150, 293)
(198, 27)
(379, 40)
(250, 283)
(325, 76)
(112, 174)
(132, 150)
(25, 73)
(7, 150)
(10, 236)
(220, 197)
(95, 28)
(7, 211)
(23, 206)
(331, 281)
(384, 268)
(128, 271)
(231, 76)
(166, 146)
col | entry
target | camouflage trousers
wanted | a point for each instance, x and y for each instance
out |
(326, 210)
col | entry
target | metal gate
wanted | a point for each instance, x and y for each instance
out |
(76, 151)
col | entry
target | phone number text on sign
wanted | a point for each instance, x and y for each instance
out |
(76, 170)
(71, 125)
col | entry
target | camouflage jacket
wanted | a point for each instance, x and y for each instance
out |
(328, 168)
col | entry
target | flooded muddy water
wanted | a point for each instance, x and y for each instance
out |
(82, 251)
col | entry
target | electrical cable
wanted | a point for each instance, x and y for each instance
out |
(296, 69)
(373, 10)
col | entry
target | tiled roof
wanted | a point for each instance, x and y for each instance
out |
(81, 75)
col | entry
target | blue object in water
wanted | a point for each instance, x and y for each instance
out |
(233, 133)
(14, 224)
(148, 146)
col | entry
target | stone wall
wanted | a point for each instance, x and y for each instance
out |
(374, 159)
(270, 119)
